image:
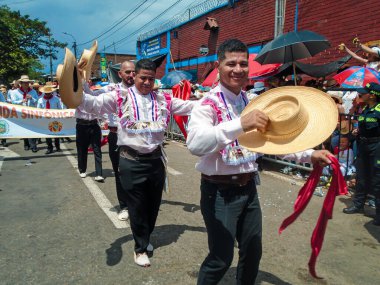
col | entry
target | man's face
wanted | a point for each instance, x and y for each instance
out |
(127, 73)
(343, 143)
(233, 71)
(24, 85)
(144, 81)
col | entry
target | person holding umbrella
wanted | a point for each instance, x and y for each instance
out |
(368, 159)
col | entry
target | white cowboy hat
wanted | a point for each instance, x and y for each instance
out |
(87, 59)
(258, 86)
(25, 78)
(47, 89)
(299, 118)
(70, 82)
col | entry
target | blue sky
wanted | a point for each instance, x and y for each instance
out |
(87, 19)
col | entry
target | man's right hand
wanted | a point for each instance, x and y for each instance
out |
(254, 120)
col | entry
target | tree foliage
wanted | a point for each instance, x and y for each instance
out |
(23, 42)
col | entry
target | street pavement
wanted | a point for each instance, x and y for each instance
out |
(57, 228)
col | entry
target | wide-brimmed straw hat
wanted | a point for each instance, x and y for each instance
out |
(70, 82)
(25, 78)
(87, 59)
(47, 89)
(300, 118)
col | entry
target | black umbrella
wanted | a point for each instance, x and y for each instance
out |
(291, 47)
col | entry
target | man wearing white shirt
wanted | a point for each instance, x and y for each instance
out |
(26, 96)
(143, 118)
(49, 101)
(229, 199)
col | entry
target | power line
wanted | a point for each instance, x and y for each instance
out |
(119, 22)
(129, 21)
(147, 24)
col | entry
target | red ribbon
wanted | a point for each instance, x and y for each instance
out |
(182, 92)
(47, 101)
(24, 93)
(337, 187)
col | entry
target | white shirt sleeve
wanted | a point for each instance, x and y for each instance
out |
(205, 135)
(299, 157)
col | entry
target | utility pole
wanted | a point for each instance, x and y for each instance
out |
(114, 52)
(74, 44)
(51, 59)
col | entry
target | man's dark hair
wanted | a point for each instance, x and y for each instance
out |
(231, 45)
(146, 64)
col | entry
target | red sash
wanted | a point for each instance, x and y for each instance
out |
(337, 187)
(47, 101)
(24, 93)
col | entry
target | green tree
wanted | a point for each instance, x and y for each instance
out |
(23, 42)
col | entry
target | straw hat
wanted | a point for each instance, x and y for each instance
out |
(70, 83)
(14, 82)
(36, 85)
(25, 78)
(87, 59)
(47, 89)
(300, 118)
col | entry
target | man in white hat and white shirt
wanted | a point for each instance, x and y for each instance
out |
(26, 96)
(229, 199)
(49, 101)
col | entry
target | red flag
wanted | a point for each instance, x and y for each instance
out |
(337, 187)
(182, 92)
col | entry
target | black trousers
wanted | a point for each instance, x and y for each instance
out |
(49, 143)
(143, 182)
(368, 174)
(231, 212)
(114, 154)
(89, 135)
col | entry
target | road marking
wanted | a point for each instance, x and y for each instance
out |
(172, 171)
(98, 195)
(6, 153)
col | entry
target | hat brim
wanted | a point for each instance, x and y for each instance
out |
(322, 113)
(70, 83)
(88, 56)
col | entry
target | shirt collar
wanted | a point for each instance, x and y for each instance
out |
(232, 97)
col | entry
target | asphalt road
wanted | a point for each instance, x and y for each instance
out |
(57, 228)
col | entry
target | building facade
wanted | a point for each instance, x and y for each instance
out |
(189, 42)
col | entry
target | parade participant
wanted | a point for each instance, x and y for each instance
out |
(127, 75)
(88, 131)
(49, 101)
(144, 116)
(36, 86)
(368, 158)
(26, 96)
(229, 200)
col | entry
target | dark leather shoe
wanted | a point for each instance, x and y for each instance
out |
(26, 147)
(352, 210)
(59, 150)
(376, 222)
(49, 151)
(34, 149)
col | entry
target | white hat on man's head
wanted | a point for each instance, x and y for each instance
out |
(25, 78)
(300, 118)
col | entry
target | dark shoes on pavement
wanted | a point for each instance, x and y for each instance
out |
(34, 149)
(353, 210)
(49, 151)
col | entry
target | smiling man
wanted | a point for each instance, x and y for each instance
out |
(229, 200)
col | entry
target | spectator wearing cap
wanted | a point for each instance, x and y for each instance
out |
(373, 56)
(368, 159)
(49, 101)
(258, 88)
(26, 96)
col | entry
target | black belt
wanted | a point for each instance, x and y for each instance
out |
(240, 179)
(130, 153)
(369, 140)
(87, 122)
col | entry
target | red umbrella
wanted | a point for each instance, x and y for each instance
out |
(255, 70)
(357, 76)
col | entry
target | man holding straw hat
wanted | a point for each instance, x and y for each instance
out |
(226, 139)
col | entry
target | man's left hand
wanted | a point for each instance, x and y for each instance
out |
(321, 157)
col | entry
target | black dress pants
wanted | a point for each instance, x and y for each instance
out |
(143, 182)
(89, 135)
(49, 143)
(114, 154)
(231, 212)
(368, 174)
